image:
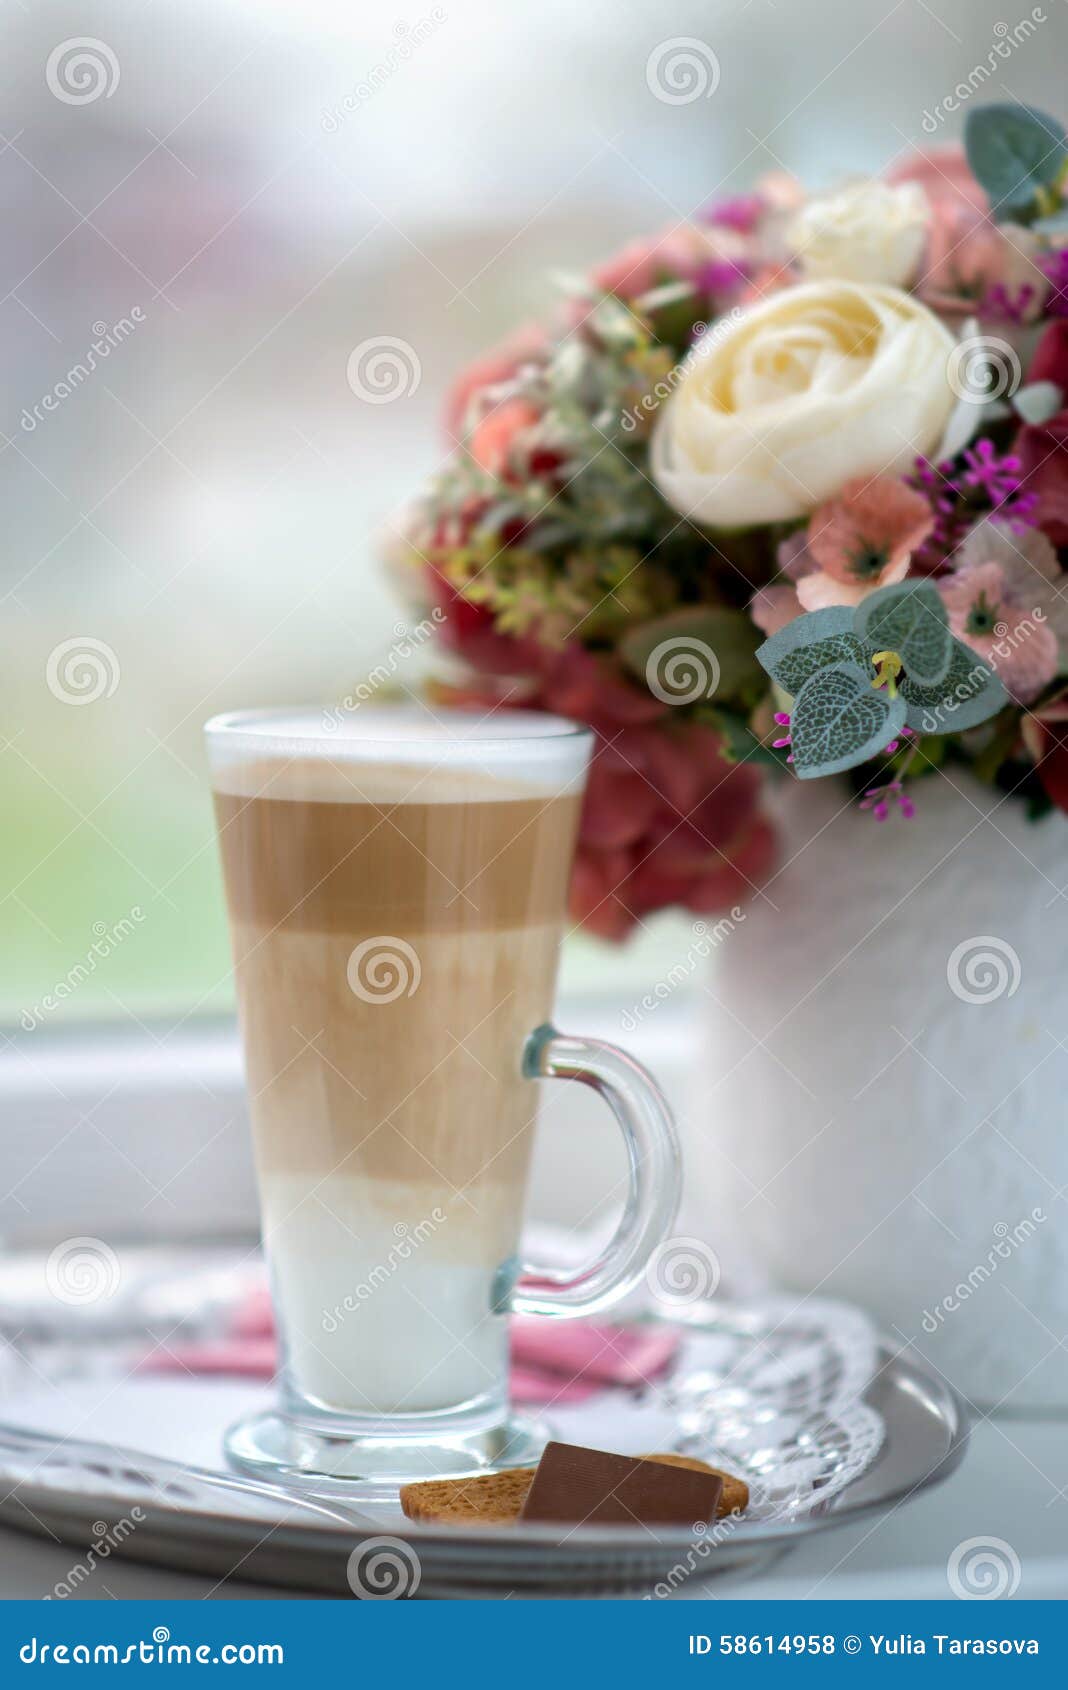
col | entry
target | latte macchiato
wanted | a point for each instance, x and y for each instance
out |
(395, 930)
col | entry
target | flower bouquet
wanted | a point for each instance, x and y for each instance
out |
(779, 491)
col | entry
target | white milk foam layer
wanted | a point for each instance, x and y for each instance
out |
(385, 1294)
(403, 754)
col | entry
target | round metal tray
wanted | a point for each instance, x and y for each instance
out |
(147, 1506)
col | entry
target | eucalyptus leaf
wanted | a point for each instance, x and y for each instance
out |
(1015, 152)
(1038, 401)
(839, 720)
(969, 693)
(810, 643)
(1055, 224)
(908, 618)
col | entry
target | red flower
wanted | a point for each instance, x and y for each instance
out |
(1043, 447)
(1045, 734)
(666, 819)
(468, 631)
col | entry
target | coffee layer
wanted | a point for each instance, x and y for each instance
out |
(401, 1065)
(364, 868)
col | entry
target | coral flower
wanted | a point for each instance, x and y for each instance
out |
(493, 368)
(863, 539)
(1004, 600)
(494, 437)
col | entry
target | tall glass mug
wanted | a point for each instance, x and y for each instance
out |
(397, 890)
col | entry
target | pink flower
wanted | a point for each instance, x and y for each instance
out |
(639, 265)
(773, 607)
(713, 259)
(1004, 601)
(863, 539)
(971, 260)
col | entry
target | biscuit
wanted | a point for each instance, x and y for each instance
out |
(495, 1499)
(484, 1499)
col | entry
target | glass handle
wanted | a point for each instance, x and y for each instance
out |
(654, 1167)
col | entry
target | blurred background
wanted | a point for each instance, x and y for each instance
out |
(208, 206)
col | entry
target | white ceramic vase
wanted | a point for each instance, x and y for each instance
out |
(886, 1117)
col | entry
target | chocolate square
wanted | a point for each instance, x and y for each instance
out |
(576, 1486)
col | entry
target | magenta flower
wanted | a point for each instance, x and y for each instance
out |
(742, 213)
(996, 477)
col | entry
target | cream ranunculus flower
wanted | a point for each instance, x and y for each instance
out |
(778, 408)
(868, 232)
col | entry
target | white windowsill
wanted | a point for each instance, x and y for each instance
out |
(111, 1129)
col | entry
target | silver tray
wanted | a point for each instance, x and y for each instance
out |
(194, 1518)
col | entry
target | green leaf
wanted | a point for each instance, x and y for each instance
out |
(908, 618)
(968, 694)
(738, 742)
(810, 643)
(678, 649)
(1015, 152)
(839, 720)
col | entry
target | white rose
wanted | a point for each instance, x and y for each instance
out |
(779, 406)
(869, 232)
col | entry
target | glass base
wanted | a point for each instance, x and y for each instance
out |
(294, 1451)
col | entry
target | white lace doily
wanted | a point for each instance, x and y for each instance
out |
(773, 1390)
